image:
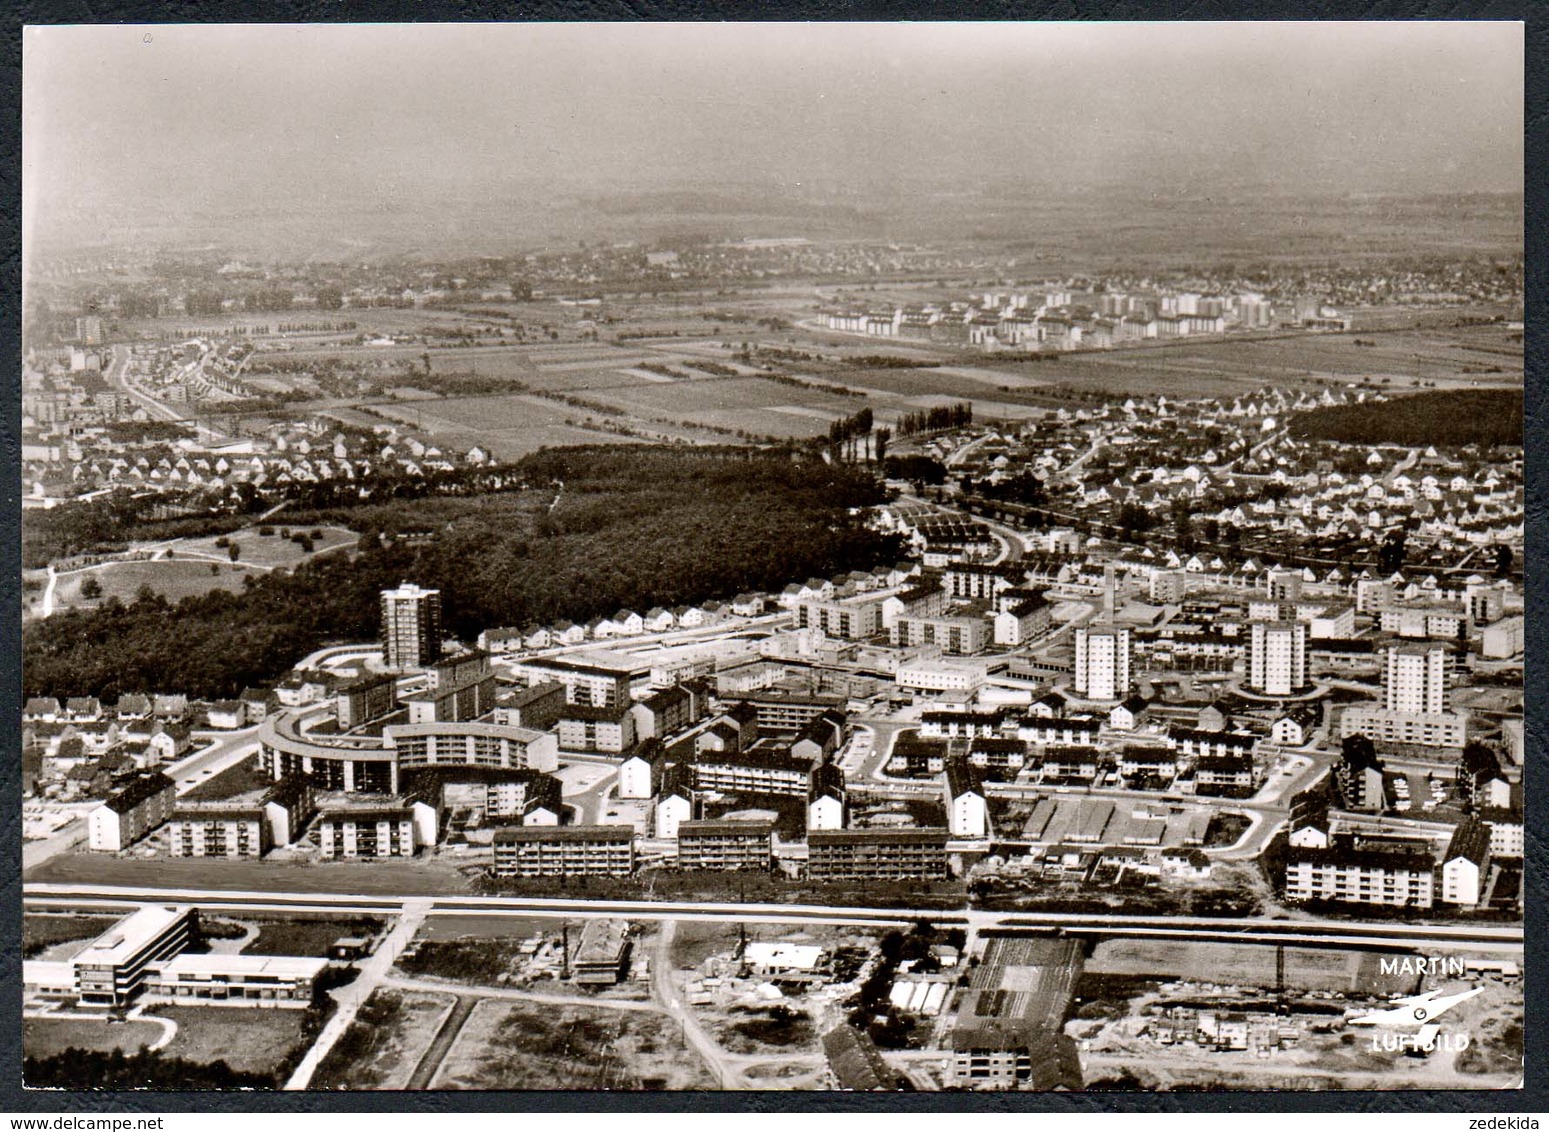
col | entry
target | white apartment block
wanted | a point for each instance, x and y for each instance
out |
(1277, 657)
(1103, 663)
(1415, 679)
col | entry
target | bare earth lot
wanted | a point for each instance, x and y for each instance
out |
(383, 1045)
(516, 1045)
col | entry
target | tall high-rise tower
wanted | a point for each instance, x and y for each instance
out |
(1103, 662)
(411, 626)
(1277, 657)
(1415, 678)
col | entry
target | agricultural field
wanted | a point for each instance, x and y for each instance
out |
(751, 404)
(510, 426)
(1227, 368)
(1248, 965)
(519, 1045)
(384, 1044)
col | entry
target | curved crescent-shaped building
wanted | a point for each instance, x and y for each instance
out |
(372, 765)
(332, 762)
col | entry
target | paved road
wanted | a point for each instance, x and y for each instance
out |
(46, 606)
(118, 374)
(1480, 935)
(665, 989)
(349, 999)
(228, 749)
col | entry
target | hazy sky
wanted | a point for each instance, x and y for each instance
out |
(272, 117)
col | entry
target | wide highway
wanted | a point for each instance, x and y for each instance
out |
(1472, 936)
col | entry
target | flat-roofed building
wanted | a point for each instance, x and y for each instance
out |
(411, 626)
(599, 678)
(788, 713)
(942, 674)
(1502, 640)
(877, 854)
(726, 845)
(765, 768)
(112, 968)
(576, 850)
(492, 794)
(420, 745)
(1277, 657)
(968, 580)
(1445, 621)
(248, 980)
(458, 688)
(850, 619)
(1415, 678)
(1440, 729)
(607, 731)
(1103, 660)
(602, 954)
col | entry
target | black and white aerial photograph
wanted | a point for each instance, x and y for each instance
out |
(671, 557)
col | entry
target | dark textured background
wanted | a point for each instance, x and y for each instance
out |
(1534, 1098)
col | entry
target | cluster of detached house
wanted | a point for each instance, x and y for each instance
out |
(82, 748)
(1235, 465)
(629, 623)
(66, 464)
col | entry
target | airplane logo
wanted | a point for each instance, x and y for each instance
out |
(1415, 1010)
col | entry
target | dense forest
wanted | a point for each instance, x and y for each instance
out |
(608, 528)
(1445, 418)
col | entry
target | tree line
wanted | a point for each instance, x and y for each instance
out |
(959, 415)
(634, 528)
